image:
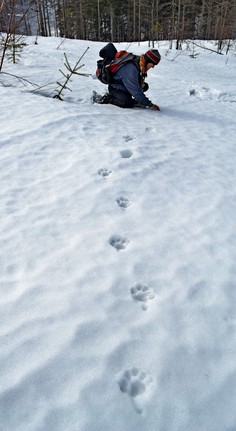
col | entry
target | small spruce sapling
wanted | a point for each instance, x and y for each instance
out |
(15, 46)
(67, 76)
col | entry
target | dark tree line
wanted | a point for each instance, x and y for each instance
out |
(123, 20)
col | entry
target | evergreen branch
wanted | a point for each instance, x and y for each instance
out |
(83, 74)
(79, 67)
(67, 64)
(63, 73)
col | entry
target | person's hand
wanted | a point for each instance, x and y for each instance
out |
(155, 108)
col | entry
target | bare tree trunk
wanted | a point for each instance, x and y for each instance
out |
(40, 16)
(178, 25)
(134, 20)
(172, 29)
(139, 22)
(152, 23)
(81, 13)
(99, 19)
(48, 19)
(111, 22)
(64, 17)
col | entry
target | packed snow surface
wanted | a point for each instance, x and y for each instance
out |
(118, 246)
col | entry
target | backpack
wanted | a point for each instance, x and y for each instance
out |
(111, 62)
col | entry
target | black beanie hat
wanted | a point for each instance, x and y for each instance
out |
(152, 56)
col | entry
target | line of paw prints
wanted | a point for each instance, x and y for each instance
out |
(125, 154)
(134, 382)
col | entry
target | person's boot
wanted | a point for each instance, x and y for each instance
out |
(105, 99)
(98, 98)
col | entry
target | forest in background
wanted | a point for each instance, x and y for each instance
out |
(121, 20)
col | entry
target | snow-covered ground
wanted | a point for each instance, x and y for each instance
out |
(118, 248)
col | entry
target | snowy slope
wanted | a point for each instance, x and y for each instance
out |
(117, 257)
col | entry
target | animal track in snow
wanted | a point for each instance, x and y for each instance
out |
(205, 93)
(123, 202)
(126, 154)
(128, 138)
(119, 242)
(104, 172)
(143, 293)
(137, 384)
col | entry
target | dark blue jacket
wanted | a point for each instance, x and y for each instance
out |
(128, 79)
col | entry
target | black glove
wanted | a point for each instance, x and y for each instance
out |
(145, 87)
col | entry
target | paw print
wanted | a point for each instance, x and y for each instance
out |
(119, 242)
(137, 384)
(104, 172)
(128, 138)
(123, 202)
(126, 154)
(142, 292)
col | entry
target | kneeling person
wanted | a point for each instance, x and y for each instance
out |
(128, 84)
